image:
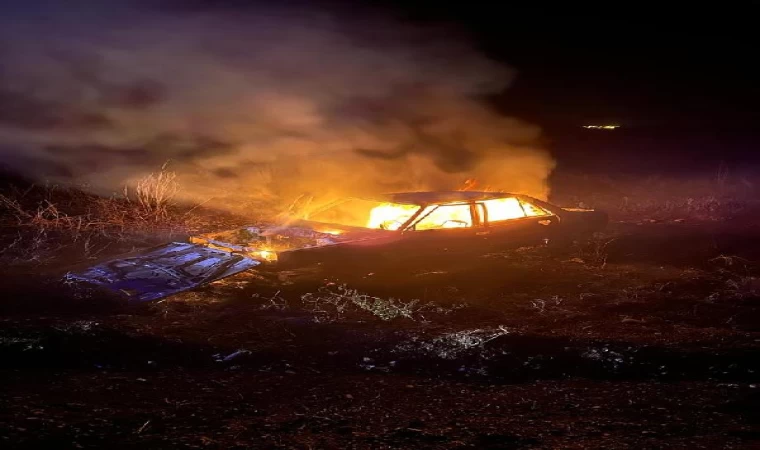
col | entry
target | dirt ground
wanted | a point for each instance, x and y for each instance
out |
(647, 336)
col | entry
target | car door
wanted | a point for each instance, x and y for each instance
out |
(442, 230)
(163, 271)
(510, 222)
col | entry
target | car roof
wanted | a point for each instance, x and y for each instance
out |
(428, 197)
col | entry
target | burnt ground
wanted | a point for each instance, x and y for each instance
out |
(645, 337)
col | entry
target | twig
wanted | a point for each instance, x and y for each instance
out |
(199, 205)
(143, 427)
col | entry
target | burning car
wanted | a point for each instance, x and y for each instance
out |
(370, 230)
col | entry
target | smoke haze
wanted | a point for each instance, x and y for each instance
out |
(254, 103)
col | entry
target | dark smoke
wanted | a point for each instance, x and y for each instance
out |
(253, 102)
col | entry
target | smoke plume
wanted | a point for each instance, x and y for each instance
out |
(254, 102)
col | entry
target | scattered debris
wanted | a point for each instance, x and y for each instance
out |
(231, 356)
(432, 272)
(25, 344)
(332, 301)
(575, 260)
(610, 359)
(78, 326)
(452, 345)
(143, 427)
(632, 320)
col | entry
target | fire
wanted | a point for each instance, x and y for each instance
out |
(469, 184)
(472, 184)
(390, 216)
(510, 208)
(266, 255)
(532, 210)
(446, 216)
(504, 209)
(331, 231)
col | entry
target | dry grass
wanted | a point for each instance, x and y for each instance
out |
(707, 197)
(72, 209)
(595, 250)
(332, 303)
(44, 223)
(54, 224)
(335, 302)
(155, 193)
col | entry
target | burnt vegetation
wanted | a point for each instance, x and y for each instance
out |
(48, 224)
(645, 335)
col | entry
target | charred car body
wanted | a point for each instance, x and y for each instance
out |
(366, 230)
(408, 223)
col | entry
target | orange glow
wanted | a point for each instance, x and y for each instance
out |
(390, 216)
(445, 216)
(472, 184)
(510, 208)
(266, 255)
(503, 209)
(533, 210)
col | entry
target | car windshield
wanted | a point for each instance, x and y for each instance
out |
(364, 213)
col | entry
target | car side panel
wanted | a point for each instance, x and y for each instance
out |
(519, 232)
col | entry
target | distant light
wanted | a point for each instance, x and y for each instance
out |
(601, 127)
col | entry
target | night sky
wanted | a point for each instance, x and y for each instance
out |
(639, 65)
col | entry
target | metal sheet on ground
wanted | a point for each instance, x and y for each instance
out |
(164, 271)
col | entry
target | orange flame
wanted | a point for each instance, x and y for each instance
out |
(390, 216)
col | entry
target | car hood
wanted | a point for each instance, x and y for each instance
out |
(266, 241)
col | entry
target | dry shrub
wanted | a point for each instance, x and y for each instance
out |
(453, 345)
(42, 223)
(155, 192)
(595, 250)
(334, 302)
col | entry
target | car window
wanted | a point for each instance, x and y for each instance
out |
(445, 216)
(390, 216)
(503, 209)
(532, 210)
(358, 212)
